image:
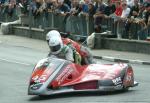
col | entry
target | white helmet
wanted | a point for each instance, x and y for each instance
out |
(52, 33)
(55, 44)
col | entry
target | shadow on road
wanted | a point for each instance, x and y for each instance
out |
(77, 94)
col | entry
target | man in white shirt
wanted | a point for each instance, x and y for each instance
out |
(130, 3)
(126, 10)
(123, 19)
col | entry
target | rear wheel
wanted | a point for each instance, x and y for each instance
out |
(128, 80)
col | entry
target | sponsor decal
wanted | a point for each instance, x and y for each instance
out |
(37, 81)
(118, 87)
(67, 71)
(117, 81)
(36, 86)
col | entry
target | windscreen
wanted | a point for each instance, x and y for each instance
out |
(54, 63)
(47, 67)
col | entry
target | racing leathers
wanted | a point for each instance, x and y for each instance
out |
(68, 49)
(68, 53)
(84, 52)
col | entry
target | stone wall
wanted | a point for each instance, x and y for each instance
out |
(102, 41)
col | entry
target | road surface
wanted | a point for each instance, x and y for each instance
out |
(17, 62)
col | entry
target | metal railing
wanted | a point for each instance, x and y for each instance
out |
(5, 17)
(78, 25)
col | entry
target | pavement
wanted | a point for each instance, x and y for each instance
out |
(121, 56)
(104, 54)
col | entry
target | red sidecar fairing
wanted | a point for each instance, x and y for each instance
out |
(57, 76)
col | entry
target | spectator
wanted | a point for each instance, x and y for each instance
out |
(146, 1)
(135, 14)
(141, 10)
(99, 12)
(146, 12)
(24, 9)
(130, 3)
(91, 40)
(91, 10)
(1, 7)
(145, 22)
(148, 26)
(49, 5)
(42, 5)
(126, 11)
(10, 6)
(100, 6)
(123, 22)
(124, 18)
(75, 7)
(2, 1)
(62, 7)
(135, 9)
(145, 31)
(39, 6)
(98, 29)
(49, 8)
(110, 8)
(33, 6)
(118, 11)
(85, 6)
(114, 1)
(68, 2)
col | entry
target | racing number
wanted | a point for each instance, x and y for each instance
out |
(39, 79)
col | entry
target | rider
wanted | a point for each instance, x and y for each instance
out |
(61, 50)
(84, 52)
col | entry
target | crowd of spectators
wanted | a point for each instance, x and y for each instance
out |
(8, 7)
(127, 11)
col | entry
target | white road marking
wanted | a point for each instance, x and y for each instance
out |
(136, 61)
(108, 58)
(12, 61)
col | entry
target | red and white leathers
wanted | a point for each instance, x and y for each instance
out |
(84, 52)
(59, 49)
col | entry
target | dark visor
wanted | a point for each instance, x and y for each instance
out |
(55, 48)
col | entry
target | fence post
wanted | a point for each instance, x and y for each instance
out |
(30, 17)
(44, 20)
(52, 26)
(87, 23)
(119, 35)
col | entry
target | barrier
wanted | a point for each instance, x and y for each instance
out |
(5, 17)
(81, 25)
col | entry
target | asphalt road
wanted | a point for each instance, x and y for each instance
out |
(17, 62)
